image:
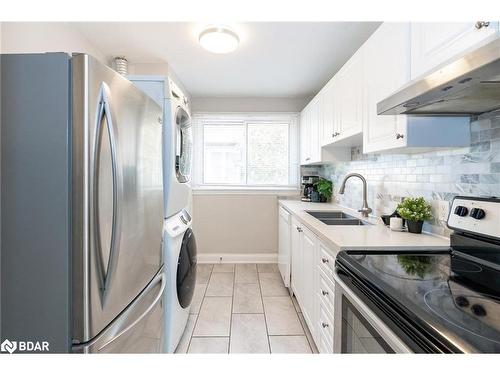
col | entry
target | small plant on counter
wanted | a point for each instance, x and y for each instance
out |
(325, 189)
(415, 211)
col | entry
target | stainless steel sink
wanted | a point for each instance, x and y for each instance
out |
(336, 218)
(330, 215)
(343, 222)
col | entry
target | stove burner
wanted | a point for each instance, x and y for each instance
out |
(478, 310)
(462, 301)
(441, 302)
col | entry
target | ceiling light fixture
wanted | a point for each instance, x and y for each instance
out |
(219, 39)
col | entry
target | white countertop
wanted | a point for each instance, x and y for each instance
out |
(371, 237)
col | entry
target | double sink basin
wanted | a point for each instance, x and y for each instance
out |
(336, 218)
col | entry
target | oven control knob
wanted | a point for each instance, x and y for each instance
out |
(461, 211)
(477, 213)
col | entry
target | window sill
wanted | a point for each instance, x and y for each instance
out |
(234, 190)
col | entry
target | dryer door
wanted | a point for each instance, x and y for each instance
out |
(186, 269)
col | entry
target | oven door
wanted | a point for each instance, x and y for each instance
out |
(357, 328)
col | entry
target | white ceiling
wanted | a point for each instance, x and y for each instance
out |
(274, 59)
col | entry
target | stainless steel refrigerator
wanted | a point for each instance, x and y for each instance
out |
(82, 155)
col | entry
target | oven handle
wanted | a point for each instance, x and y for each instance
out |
(385, 332)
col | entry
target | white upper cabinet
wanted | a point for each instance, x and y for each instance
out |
(310, 130)
(435, 43)
(315, 129)
(329, 130)
(348, 101)
(344, 113)
(386, 70)
(305, 156)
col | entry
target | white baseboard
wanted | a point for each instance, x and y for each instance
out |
(238, 258)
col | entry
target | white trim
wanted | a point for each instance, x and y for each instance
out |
(245, 191)
(238, 258)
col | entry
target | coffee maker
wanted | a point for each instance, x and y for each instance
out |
(308, 187)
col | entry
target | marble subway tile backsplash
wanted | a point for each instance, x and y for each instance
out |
(436, 175)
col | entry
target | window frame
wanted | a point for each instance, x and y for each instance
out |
(202, 119)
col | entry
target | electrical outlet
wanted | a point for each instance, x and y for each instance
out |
(443, 210)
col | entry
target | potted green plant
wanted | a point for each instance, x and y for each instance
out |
(325, 189)
(415, 211)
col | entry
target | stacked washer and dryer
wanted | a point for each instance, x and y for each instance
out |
(179, 245)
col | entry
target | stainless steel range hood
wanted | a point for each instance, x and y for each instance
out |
(467, 86)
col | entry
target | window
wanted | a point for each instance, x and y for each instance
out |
(246, 151)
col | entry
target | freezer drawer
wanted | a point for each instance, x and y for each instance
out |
(138, 329)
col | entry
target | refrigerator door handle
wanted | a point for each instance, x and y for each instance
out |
(159, 277)
(105, 112)
(121, 325)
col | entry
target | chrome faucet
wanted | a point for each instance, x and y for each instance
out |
(365, 210)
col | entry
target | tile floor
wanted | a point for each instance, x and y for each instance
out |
(244, 308)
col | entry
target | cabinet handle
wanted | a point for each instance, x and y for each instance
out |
(480, 24)
(324, 260)
(399, 135)
(325, 325)
(299, 229)
(336, 134)
(324, 292)
(308, 159)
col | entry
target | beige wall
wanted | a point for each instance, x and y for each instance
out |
(236, 224)
(35, 37)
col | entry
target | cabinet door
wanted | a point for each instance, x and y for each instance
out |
(297, 269)
(349, 101)
(387, 69)
(433, 43)
(327, 105)
(305, 143)
(309, 249)
(284, 253)
(314, 128)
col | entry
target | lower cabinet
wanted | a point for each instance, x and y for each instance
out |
(304, 254)
(309, 247)
(297, 276)
(284, 225)
(312, 283)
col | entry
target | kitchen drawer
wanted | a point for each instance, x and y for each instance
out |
(326, 261)
(325, 324)
(326, 292)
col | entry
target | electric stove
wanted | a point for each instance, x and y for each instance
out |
(437, 301)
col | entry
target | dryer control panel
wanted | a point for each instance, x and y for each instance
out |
(177, 224)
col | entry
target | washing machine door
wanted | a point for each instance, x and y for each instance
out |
(183, 145)
(186, 269)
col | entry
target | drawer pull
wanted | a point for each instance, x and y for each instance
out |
(480, 24)
(324, 292)
(299, 229)
(324, 260)
(325, 325)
